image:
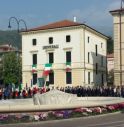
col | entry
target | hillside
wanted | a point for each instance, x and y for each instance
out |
(10, 37)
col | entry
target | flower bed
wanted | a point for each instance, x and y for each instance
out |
(59, 114)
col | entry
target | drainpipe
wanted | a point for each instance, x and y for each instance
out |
(84, 55)
(120, 46)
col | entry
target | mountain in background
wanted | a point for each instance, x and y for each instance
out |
(14, 38)
(10, 37)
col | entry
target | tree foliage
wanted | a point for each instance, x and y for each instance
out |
(111, 77)
(110, 45)
(12, 71)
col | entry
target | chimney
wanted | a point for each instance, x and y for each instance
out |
(75, 19)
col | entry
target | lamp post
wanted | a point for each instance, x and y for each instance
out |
(21, 20)
(18, 23)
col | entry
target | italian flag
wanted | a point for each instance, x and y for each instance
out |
(34, 66)
(47, 69)
(68, 66)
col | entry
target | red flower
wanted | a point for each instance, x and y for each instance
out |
(121, 105)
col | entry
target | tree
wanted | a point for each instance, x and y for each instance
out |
(110, 45)
(111, 77)
(12, 68)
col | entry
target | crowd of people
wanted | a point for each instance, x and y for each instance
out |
(80, 91)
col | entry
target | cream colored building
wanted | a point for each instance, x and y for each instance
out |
(77, 54)
(110, 62)
(118, 21)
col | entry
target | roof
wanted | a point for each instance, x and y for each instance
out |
(62, 24)
(117, 10)
(110, 55)
(59, 24)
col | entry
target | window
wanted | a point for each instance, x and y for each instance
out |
(34, 78)
(68, 78)
(68, 56)
(101, 45)
(102, 79)
(50, 40)
(51, 57)
(88, 77)
(88, 39)
(34, 59)
(96, 68)
(68, 38)
(51, 78)
(102, 61)
(96, 49)
(88, 57)
(34, 42)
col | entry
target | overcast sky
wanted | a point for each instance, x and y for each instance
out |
(39, 12)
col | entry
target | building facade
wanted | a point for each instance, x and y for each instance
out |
(110, 62)
(63, 53)
(118, 21)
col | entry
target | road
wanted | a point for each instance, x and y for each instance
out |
(111, 120)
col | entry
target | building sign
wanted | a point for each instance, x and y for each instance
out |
(51, 47)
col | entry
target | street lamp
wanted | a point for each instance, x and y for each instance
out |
(18, 23)
(21, 20)
(9, 26)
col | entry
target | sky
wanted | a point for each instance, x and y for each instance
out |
(94, 13)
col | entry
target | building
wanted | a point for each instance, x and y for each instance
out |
(64, 53)
(5, 48)
(110, 62)
(118, 21)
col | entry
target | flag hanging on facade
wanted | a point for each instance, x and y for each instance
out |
(68, 66)
(47, 69)
(34, 68)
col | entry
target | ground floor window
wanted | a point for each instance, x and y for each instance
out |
(34, 78)
(51, 78)
(102, 79)
(88, 77)
(68, 78)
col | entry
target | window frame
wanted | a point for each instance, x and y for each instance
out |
(69, 77)
(89, 80)
(34, 76)
(34, 41)
(51, 60)
(96, 48)
(68, 38)
(88, 39)
(34, 59)
(68, 58)
(51, 78)
(50, 40)
(88, 57)
(96, 68)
